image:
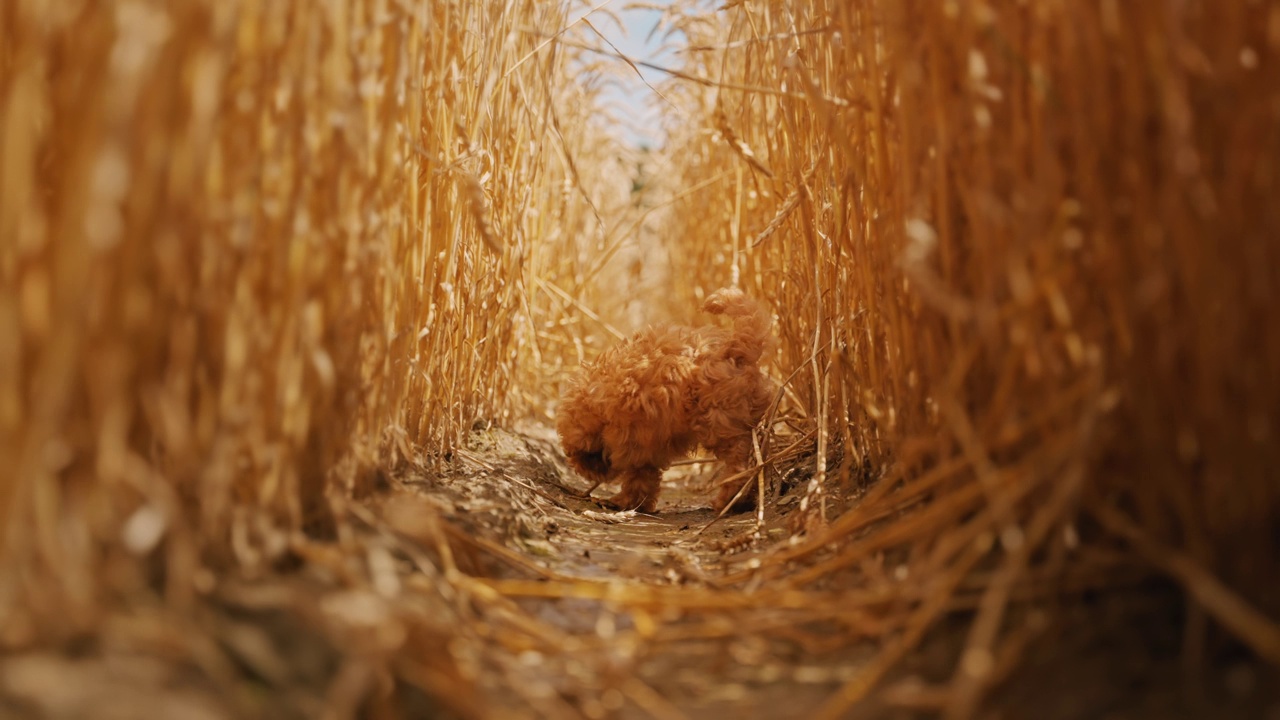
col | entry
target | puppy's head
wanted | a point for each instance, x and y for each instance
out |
(580, 429)
(592, 464)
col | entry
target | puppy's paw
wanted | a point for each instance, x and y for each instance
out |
(630, 499)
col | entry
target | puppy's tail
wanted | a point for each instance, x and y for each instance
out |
(751, 324)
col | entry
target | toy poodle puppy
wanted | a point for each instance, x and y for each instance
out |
(655, 396)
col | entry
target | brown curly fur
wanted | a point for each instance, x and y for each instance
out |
(655, 396)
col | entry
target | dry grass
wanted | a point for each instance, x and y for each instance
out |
(1024, 254)
(255, 257)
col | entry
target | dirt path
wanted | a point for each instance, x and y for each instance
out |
(492, 589)
(583, 626)
(518, 503)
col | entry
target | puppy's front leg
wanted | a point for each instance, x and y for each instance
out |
(587, 495)
(640, 487)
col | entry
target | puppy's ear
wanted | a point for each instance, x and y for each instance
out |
(591, 463)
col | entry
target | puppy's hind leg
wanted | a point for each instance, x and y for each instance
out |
(736, 455)
(640, 487)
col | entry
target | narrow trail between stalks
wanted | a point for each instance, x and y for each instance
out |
(562, 559)
(589, 613)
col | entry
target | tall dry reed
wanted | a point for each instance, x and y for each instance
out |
(252, 254)
(1023, 254)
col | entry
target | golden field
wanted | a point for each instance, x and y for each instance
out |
(260, 262)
